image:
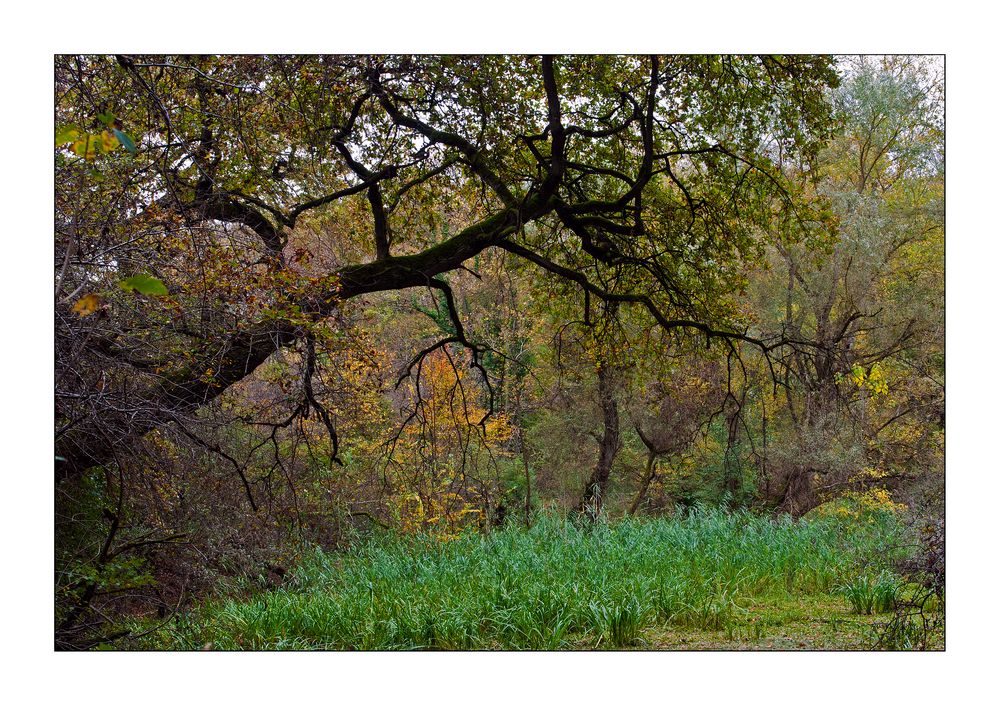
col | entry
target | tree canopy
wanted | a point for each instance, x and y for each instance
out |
(646, 181)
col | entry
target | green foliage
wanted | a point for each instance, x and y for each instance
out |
(439, 315)
(144, 284)
(67, 134)
(82, 567)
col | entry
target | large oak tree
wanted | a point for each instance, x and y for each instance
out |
(645, 181)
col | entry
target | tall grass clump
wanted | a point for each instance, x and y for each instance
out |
(872, 594)
(618, 623)
(555, 586)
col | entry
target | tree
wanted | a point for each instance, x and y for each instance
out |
(641, 180)
(864, 320)
(669, 412)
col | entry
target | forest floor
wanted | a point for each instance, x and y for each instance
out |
(821, 622)
(708, 581)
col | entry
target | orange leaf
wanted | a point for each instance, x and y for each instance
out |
(87, 305)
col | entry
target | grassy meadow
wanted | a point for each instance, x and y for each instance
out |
(707, 580)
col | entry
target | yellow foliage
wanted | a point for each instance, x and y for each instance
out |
(876, 499)
(861, 503)
(443, 458)
(873, 379)
(87, 305)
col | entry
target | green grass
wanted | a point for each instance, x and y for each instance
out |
(869, 594)
(641, 583)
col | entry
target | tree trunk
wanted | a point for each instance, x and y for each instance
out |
(527, 480)
(647, 478)
(610, 444)
(732, 482)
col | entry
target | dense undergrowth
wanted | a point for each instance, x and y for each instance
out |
(557, 585)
